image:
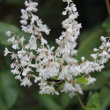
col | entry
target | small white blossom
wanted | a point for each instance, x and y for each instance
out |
(33, 43)
(91, 80)
(6, 52)
(26, 82)
(8, 33)
(83, 58)
(68, 87)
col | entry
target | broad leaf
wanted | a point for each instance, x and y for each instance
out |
(93, 103)
(48, 102)
(8, 89)
(2, 106)
(104, 97)
(92, 41)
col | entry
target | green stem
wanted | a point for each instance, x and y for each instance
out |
(80, 101)
(108, 6)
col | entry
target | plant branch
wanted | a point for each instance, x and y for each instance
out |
(108, 6)
(80, 101)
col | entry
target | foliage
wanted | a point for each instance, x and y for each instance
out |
(93, 103)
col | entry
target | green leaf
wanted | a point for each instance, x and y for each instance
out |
(82, 80)
(88, 32)
(93, 103)
(106, 24)
(92, 41)
(9, 91)
(48, 102)
(106, 73)
(104, 97)
(2, 106)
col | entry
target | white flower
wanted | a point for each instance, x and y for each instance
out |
(26, 71)
(48, 90)
(64, 74)
(90, 80)
(26, 82)
(23, 22)
(11, 40)
(103, 39)
(68, 87)
(16, 70)
(22, 39)
(6, 52)
(43, 41)
(83, 58)
(64, 12)
(24, 14)
(18, 77)
(8, 33)
(74, 7)
(31, 6)
(94, 56)
(37, 79)
(28, 29)
(69, 30)
(33, 42)
(67, 1)
(15, 46)
(78, 88)
(34, 18)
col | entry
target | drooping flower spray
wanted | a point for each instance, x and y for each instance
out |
(50, 67)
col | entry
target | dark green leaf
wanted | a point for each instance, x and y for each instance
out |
(2, 106)
(106, 24)
(104, 97)
(8, 89)
(48, 102)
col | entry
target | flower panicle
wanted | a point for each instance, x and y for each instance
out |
(50, 67)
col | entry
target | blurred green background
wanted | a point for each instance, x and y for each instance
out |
(95, 22)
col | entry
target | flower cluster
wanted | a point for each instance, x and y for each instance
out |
(53, 68)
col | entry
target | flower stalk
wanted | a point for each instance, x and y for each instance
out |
(80, 101)
(108, 6)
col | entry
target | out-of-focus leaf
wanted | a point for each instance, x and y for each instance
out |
(82, 80)
(93, 103)
(8, 27)
(48, 102)
(106, 73)
(2, 106)
(106, 24)
(8, 89)
(65, 100)
(85, 34)
(91, 42)
(104, 97)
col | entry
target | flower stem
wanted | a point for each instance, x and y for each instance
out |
(108, 6)
(80, 101)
